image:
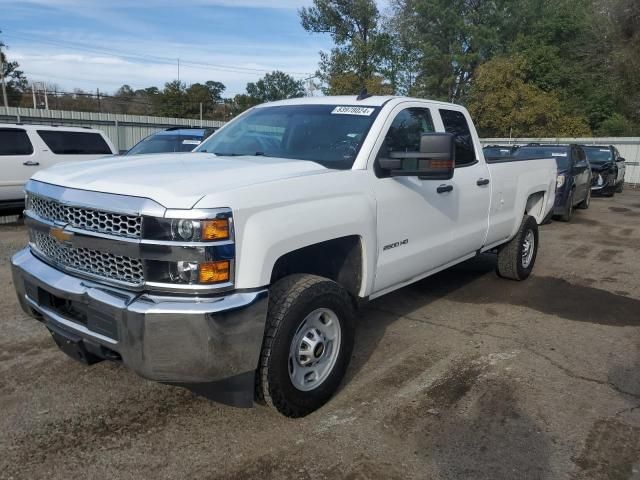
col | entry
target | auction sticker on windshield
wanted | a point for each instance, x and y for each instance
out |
(363, 111)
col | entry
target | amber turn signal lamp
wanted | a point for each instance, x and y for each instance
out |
(217, 229)
(215, 272)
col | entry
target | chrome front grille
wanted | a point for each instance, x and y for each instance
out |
(85, 218)
(108, 265)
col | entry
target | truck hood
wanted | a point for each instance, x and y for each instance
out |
(174, 180)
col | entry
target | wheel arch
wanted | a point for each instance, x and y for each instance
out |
(535, 205)
(340, 259)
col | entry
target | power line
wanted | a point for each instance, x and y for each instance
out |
(147, 57)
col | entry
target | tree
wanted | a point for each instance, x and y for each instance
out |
(504, 104)
(618, 125)
(451, 38)
(275, 86)
(361, 45)
(172, 99)
(15, 79)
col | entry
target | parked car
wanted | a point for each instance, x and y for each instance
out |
(608, 169)
(498, 151)
(573, 187)
(235, 270)
(172, 140)
(26, 149)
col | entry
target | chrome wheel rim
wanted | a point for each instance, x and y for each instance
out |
(314, 349)
(528, 247)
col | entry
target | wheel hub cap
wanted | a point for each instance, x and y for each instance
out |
(314, 349)
(528, 247)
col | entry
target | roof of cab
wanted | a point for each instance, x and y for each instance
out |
(372, 101)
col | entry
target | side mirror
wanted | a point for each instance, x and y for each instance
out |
(622, 159)
(434, 161)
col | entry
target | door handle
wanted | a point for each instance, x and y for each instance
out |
(482, 182)
(445, 188)
(31, 163)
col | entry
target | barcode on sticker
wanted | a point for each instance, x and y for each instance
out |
(364, 111)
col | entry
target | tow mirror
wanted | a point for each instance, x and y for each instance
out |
(434, 161)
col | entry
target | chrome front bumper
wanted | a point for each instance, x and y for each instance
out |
(170, 339)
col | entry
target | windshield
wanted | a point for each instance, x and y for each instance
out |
(163, 143)
(598, 154)
(330, 135)
(561, 154)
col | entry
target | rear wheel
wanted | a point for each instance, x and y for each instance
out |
(307, 345)
(517, 258)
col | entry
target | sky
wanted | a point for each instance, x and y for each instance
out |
(93, 44)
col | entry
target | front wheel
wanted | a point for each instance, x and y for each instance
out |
(307, 346)
(586, 202)
(517, 257)
(568, 211)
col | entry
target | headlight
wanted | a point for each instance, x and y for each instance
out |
(187, 230)
(189, 253)
(200, 230)
(560, 181)
(206, 273)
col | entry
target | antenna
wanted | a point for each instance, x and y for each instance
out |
(364, 94)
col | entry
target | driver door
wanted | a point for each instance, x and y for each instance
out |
(414, 219)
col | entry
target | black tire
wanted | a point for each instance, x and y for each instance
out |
(586, 202)
(291, 300)
(568, 211)
(511, 258)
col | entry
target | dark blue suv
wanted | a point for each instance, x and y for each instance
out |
(573, 186)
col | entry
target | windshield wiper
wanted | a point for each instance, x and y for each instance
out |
(257, 154)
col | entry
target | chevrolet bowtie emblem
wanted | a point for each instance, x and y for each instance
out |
(60, 235)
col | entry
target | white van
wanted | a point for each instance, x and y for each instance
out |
(25, 149)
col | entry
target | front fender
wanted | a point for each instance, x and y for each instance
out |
(276, 218)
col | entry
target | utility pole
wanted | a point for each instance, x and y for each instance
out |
(178, 70)
(4, 86)
(98, 95)
(46, 98)
(200, 114)
(33, 91)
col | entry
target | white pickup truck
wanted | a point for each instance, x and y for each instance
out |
(236, 270)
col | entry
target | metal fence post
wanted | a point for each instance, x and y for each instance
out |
(117, 134)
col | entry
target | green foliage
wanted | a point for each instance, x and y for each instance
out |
(275, 86)
(362, 47)
(618, 125)
(452, 38)
(505, 104)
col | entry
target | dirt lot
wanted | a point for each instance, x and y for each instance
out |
(462, 375)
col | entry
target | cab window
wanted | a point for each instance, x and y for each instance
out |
(456, 123)
(405, 134)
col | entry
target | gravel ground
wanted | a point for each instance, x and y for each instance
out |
(462, 375)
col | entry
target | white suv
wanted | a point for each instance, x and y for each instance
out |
(25, 149)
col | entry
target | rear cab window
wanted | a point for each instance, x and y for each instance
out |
(14, 141)
(75, 143)
(456, 123)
